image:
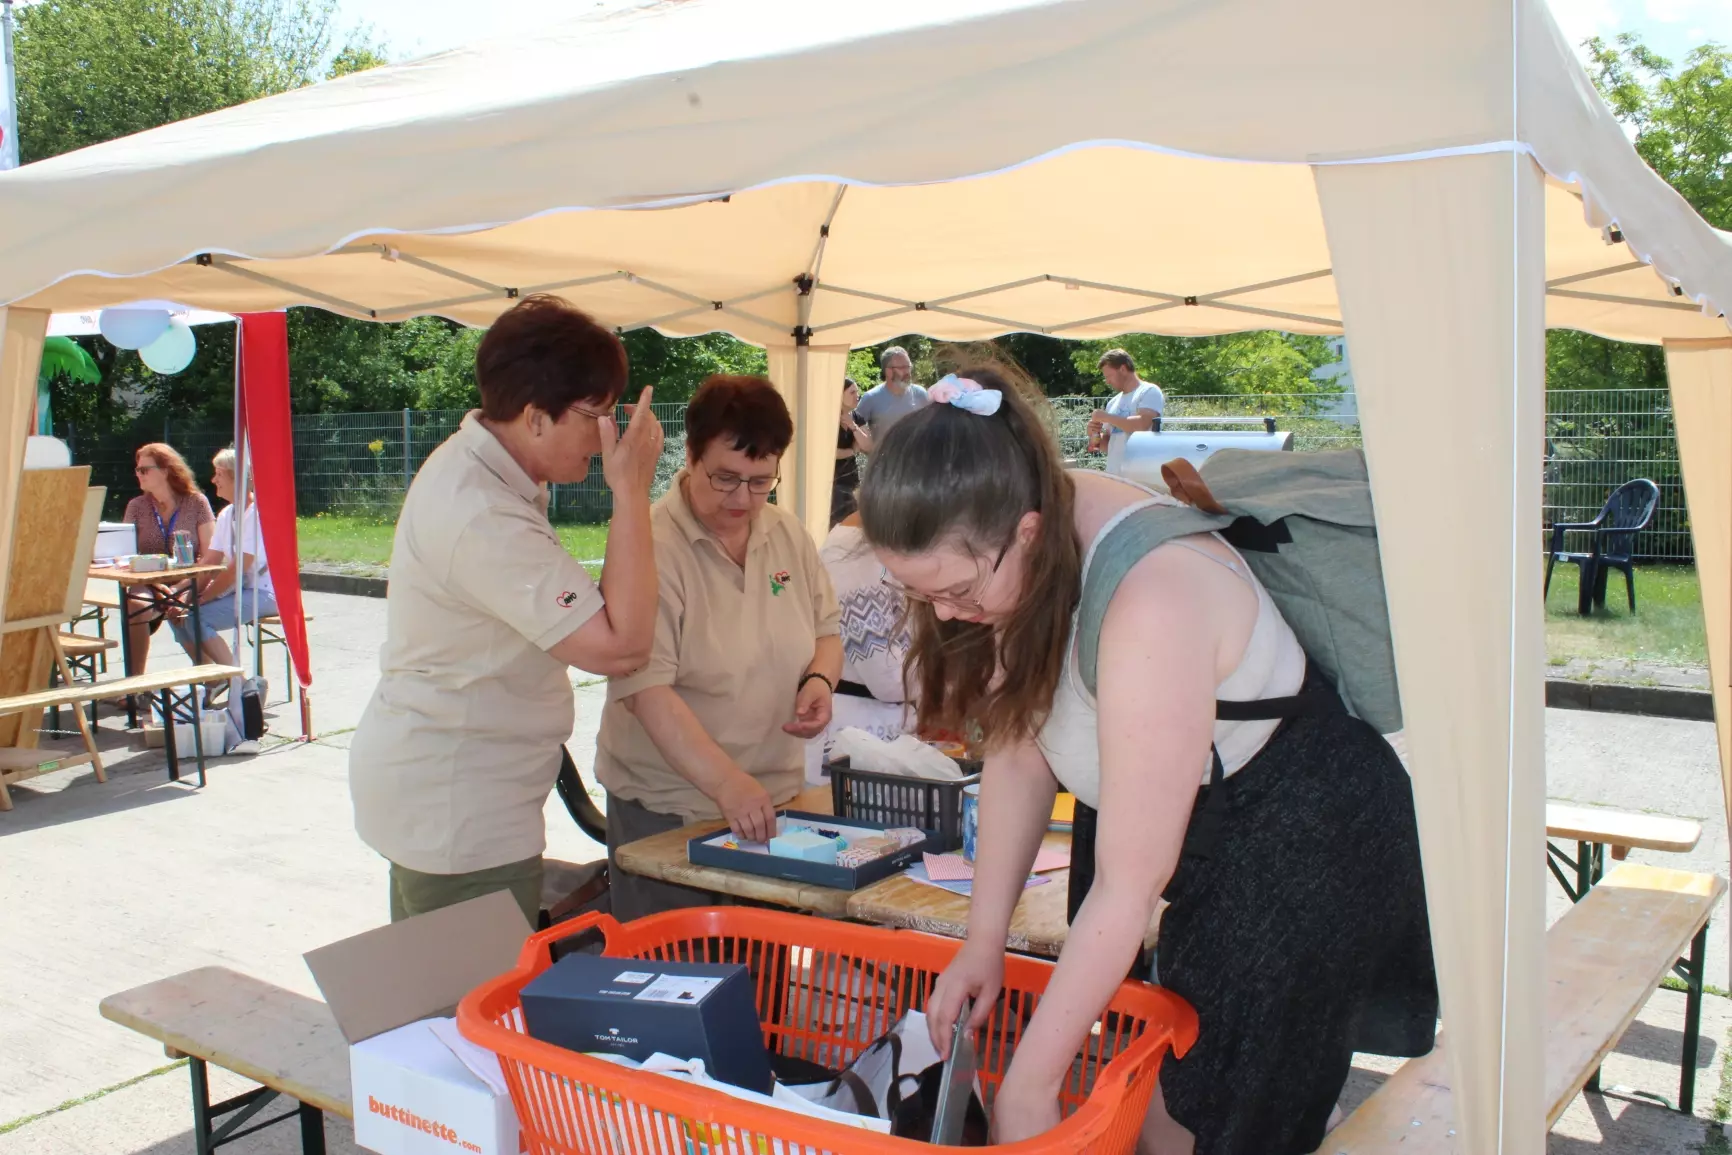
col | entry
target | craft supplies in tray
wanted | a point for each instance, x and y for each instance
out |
(894, 800)
(859, 852)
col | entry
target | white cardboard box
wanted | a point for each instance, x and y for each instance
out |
(389, 989)
(413, 1096)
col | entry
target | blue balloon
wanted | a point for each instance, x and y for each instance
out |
(132, 328)
(171, 352)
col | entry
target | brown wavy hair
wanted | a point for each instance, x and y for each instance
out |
(180, 478)
(943, 476)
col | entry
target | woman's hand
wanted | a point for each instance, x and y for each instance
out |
(1020, 1113)
(977, 973)
(628, 464)
(747, 806)
(811, 709)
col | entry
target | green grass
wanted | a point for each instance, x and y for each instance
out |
(1666, 627)
(335, 539)
(26, 1120)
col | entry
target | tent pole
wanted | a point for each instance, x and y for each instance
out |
(802, 392)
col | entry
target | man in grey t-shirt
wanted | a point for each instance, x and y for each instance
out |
(886, 404)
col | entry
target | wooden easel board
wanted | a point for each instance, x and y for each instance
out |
(46, 546)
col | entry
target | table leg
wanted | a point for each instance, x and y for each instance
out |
(312, 1130)
(206, 1139)
(200, 1107)
(1692, 1020)
(197, 626)
(126, 653)
(1584, 869)
(168, 737)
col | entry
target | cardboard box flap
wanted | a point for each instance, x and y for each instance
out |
(423, 966)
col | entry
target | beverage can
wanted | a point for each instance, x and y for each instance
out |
(183, 548)
(970, 820)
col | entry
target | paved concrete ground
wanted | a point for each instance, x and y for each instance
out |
(112, 885)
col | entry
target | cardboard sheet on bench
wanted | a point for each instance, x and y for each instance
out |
(383, 978)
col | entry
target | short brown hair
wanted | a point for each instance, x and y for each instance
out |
(548, 353)
(1118, 359)
(180, 478)
(746, 410)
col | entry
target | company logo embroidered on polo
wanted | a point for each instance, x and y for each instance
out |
(567, 599)
(779, 582)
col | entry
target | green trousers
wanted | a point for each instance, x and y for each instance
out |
(415, 893)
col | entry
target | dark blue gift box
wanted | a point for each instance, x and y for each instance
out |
(637, 1007)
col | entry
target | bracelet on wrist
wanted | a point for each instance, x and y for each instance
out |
(828, 684)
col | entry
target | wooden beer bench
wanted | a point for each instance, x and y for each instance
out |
(1604, 959)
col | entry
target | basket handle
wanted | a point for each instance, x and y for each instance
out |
(539, 945)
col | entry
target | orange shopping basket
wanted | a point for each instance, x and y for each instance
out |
(825, 990)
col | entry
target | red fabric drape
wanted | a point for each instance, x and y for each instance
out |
(262, 360)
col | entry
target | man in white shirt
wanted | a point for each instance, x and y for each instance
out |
(217, 605)
(1133, 408)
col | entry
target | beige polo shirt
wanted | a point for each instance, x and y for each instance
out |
(733, 643)
(459, 746)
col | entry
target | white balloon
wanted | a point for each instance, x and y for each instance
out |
(132, 328)
(171, 352)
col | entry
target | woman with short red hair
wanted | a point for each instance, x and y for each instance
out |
(486, 612)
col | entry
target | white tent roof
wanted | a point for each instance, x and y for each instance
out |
(814, 175)
(748, 126)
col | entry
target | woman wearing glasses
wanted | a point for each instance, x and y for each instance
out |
(1287, 851)
(460, 745)
(746, 652)
(170, 502)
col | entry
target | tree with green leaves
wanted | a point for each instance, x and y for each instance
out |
(1682, 116)
(93, 70)
(1681, 120)
(1233, 363)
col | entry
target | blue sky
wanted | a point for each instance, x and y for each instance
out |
(417, 27)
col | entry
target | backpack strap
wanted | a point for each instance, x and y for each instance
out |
(1116, 552)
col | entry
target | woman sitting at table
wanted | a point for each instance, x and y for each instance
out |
(237, 550)
(171, 501)
(746, 653)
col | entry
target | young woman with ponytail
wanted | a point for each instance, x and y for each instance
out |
(1286, 849)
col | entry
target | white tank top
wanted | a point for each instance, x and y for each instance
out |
(1272, 666)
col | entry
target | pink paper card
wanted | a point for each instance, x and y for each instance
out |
(1050, 859)
(948, 868)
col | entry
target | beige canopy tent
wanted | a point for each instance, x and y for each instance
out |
(810, 176)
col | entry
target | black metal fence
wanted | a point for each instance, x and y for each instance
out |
(360, 464)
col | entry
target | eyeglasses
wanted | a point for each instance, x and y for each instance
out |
(141, 470)
(728, 482)
(591, 414)
(969, 602)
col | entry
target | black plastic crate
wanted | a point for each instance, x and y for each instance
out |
(892, 800)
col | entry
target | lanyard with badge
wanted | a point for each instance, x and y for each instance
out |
(167, 531)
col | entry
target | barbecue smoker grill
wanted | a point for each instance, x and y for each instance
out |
(1146, 452)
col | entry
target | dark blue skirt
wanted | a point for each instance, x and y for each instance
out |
(1297, 929)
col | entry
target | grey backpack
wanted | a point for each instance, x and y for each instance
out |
(1304, 524)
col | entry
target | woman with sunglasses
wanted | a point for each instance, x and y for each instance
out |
(1287, 850)
(170, 502)
(461, 744)
(746, 654)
